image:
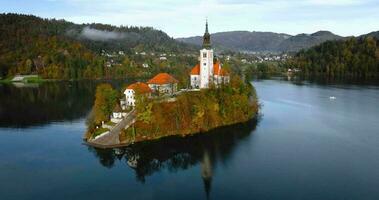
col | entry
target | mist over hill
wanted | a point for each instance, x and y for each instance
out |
(59, 49)
(94, 36)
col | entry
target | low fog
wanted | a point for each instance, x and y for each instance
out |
(100, 35)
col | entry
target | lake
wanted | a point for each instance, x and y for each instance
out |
(304, 145)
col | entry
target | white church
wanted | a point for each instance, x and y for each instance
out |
(208, 70)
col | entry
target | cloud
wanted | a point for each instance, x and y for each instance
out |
(100, 35)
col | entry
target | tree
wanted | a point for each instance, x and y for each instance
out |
(105, 100)
(144, 108)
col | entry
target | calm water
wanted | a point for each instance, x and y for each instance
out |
(304, 146)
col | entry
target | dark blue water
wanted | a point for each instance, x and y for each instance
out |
(304, 146)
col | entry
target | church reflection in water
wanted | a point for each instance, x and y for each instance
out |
(178, 153)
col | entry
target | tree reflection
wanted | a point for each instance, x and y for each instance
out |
(23, 105)
(177, 153)
(56, 101)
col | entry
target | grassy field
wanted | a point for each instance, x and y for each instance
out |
(6, 80)
(110, 123)
(37, 79)
(34, 79)
(99, 131)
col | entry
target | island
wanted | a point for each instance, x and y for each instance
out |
(158, 108)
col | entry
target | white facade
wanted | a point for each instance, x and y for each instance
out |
(145, 65)
(169, 88)
(130, 97)
(117, 115)
(220, 79)
(195, 81)
(206, 67)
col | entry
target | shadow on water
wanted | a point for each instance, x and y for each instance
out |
(179, 153)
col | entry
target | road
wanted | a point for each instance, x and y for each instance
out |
(112, 137)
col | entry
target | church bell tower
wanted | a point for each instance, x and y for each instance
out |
(206, 60)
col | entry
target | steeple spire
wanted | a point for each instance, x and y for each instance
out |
(206, 37)
(206, 25)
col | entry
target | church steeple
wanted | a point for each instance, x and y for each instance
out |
(206, 37)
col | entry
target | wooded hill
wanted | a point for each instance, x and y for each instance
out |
(354, 57)
(64, 50)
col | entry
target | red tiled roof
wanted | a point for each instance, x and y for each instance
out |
(162, 78)
(217, 69)
(140, 87)
(196, 70)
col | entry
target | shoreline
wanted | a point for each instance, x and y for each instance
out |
(189, 134)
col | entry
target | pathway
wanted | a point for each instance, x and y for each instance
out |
(112, 137)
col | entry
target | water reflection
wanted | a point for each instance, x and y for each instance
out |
(23, 105)
(177, 153)
(37, 105)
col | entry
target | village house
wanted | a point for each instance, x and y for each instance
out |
(117, 114)
(136, 88)
(145, 65)
(163, 83)
(208, 70)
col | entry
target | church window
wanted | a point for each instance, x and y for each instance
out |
(204, 55)
(204, 64)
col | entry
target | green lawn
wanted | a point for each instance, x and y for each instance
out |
(110, 123)
(7, 80)
(34, 79)
(99, 131)
(26, 80)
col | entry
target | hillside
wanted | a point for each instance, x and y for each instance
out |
(112, 38)
(242, 40)
(374, 34)
(353, 57)
(59, 49)
(264, 41)
(305, 41)
(29, 44)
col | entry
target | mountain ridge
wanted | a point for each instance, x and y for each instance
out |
(264, 41)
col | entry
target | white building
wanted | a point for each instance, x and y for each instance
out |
(117, 114)
(145, 65)
(133, 89)
(206, 71)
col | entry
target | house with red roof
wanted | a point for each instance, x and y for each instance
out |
(207, 71)
(163, 83)
(136, 88)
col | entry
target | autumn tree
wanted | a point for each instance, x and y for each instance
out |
(105, 100)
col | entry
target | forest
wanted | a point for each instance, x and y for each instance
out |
(57, 49)
(353, 57)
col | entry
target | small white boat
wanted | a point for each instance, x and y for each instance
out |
(332, 97)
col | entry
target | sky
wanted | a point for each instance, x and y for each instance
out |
(183, 18)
